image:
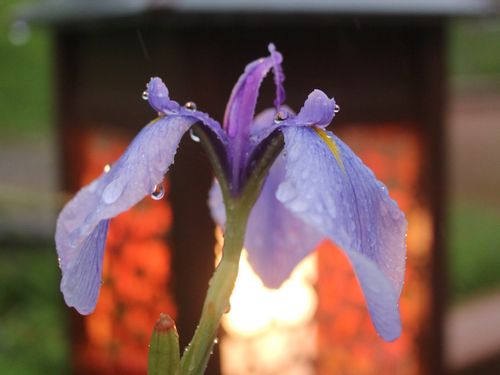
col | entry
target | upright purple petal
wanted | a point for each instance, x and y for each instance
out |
(279, 76)
(241, 107)
(343, 200)
(82, 225)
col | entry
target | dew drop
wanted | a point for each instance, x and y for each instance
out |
(280, 116)
(193, 136)
(158, 192)
(59, 262)
(145, 95)
(216, 341)
(113, 191)
(107, 168)
(190, 105)
(336, 109)
(286, 192)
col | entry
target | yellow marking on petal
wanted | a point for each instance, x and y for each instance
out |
(155, 120)
(331, 145)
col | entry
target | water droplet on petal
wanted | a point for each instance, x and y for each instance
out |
(145, 95)
(113, 191)
(193, 136)
(286, 192)
(336, 109)
(190, 105)
(158, 192)
(298, 205)
(107, 168)
(59, 262)
(280, 116)
(216, 340)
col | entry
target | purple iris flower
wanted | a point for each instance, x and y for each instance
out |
(317, 188)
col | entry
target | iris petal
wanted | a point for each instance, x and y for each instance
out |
(279, 76)
(241, 105)
(80, 232)
(82, 278)
(318, 110)
(160, 101)
(157, 95)
(354, 210)
(275, 239)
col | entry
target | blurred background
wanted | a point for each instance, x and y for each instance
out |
(34, 323)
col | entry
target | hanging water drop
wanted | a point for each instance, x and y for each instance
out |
(193, 136)
(336, 109)
(158, 192)
(107, 168)
(280, 116)
(190, 105)
(145, 95)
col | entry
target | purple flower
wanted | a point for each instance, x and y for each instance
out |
(317, 188)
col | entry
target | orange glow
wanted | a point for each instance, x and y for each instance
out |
(136, 274)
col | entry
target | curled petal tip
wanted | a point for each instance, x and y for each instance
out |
(157, 96)
(318, 109)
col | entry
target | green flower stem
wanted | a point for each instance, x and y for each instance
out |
(238, 208)
(221, 285)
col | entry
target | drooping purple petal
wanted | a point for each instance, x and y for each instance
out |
(81, 280)
(318, 110)
(81, 232)
(343, 200)
(157, 94)
(276, 240)
(158, 98)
